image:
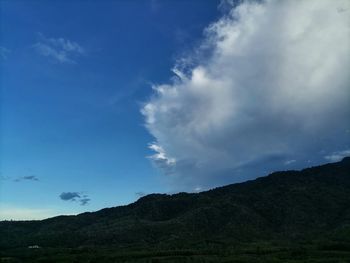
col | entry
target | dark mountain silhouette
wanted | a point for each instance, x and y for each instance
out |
(290, 206)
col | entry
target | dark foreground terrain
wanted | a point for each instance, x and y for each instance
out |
(292, 216)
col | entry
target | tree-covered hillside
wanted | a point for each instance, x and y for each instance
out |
(291, 207)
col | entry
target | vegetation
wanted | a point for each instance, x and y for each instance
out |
(292, 216)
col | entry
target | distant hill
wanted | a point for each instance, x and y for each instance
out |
(290, 206)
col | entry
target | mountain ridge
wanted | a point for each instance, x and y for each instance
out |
(312, 203)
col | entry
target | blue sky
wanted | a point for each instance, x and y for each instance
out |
(104, 101)
(75, 123)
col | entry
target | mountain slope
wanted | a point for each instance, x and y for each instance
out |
(294, 205)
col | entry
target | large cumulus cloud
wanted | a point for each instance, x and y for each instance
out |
(275, 87)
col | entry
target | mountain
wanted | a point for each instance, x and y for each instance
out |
(288, 207)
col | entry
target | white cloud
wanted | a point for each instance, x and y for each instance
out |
(337, 156)
(60, 49)
(276, 86)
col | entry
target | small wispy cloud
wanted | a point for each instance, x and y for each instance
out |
(59, 49)
(288, 162)
(84, 201)
(337, 156)
(4, 52)
(75, 197)
(140, 194)
(197, 189)
(27, 178)
(160, 154)
(69, 196)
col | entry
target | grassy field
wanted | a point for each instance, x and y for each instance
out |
(238, 253)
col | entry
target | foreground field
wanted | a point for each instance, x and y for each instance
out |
(239, 253)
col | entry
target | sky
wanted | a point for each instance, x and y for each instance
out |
(103, 102)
